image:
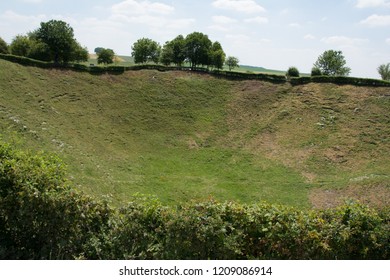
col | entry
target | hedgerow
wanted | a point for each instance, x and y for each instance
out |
(278, 79)
(340, 80)
(42, 217)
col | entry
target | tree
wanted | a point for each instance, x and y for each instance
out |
(232, 62)
(39, 51)
(217, 55)
(332, 63)
(59, 37)
(197, 46)
(292, 72)
(384, 71)
(79, 53)
(315, 71)
(21, 46)
(166, 57)
(98, 50)
(106, 56)
(145, 50)
(174, 51)
(3, 46)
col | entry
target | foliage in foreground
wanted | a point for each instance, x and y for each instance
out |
(41, 217)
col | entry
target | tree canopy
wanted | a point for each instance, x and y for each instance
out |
(145, 50)
(52, 41)
(3, 46)
(232, 62)
(59, 37)
(217, 55)
(197, 47)
(174, 51)
(105, 56)
(384, 71)
(21, 45)
(332, 63)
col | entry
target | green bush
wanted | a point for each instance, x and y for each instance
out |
(340, 80)
(115, 69)
(315, 71)
(292, 72)
(26, 61)
(40, 216)
(80, 67)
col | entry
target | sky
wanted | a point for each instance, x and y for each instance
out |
(266, 33)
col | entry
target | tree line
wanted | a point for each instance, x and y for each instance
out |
(196, 49)
(54, 41)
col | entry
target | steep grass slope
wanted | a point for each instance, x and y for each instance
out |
(183, 136)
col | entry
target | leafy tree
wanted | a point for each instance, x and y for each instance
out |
(292, 72)
(21, 45)
(145, 50)
(315, 71)
(217, 55)
(384, 71)
(79, 53)
(39, 51)
(332, 63)
(106, 56)
(3, 46)
(197, 46)
(167, 54)
(59, 37)
(232, 62)
(174, 51)
(98, 50)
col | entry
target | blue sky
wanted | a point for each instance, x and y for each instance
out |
(272, 34)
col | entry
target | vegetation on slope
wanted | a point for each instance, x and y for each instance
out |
(42, 217)
(183, 136)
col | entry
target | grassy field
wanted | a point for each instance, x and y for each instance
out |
(183, 136)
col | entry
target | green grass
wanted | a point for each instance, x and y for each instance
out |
(183, 136)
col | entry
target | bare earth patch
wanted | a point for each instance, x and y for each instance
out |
(375, 196)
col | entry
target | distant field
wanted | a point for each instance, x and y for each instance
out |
(183, 136)
(119, 60)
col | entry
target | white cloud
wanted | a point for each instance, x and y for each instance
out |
(219, 28)
(141, 8)
(372, 3)
(259, 20)
(388, 41)
(13, 24)
(223, 20)
(343, 41)
(238, 37)
(244, 6)
(153, 15)
(294, 25)
(377, 20)
(14, 17)
(309, 37)
(33, 1)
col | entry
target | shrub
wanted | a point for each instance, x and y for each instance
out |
(3, 47)
(26, 61)
(315, 71)
(292, 72)
(40, 216)
(340, 80)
